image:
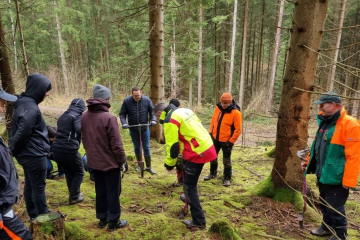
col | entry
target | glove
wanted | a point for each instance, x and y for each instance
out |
(153, 123)
(125, 167)
(169, 168)
(125, 126)
(229, 144)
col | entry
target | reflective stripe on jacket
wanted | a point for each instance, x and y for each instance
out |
(185, 134)
(342, 161)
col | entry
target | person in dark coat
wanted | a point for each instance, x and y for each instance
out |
(66, 145)
(10, 225)
(29, 142)
(105, 155)
(138, 109)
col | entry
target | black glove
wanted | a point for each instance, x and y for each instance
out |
(168, 167)
(125, 167)
(125, 126)
(229, 144)
(153, 123)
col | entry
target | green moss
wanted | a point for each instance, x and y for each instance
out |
(271, 152)
(74, 231)
(244, 198)
(265, 188)
(225, 229)
(47, 228)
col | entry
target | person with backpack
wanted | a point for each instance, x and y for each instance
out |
(66, 145)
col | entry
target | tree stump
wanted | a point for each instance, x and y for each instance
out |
(49, 226)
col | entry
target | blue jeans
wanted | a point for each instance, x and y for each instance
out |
(192, 172)
(335, 196)
(145, 140)
(34, 189)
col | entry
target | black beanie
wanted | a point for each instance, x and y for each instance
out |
(175, 102)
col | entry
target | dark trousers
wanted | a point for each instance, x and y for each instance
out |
(335, 196)
(192, 172)
(226, 158)
(74, 171)
(108, 189)
(14, 229)
(35, 182)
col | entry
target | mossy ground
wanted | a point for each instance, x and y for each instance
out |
(151, 204)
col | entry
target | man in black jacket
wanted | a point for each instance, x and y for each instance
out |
(29, 142)
(138, 110)
(10, 225)
(66, 145)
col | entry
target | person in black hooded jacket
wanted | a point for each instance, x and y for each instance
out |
(66, 145)
(29, 142)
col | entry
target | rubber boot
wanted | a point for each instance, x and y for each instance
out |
(213, 170)
(227, 171)
(138, 159)
(148, 165)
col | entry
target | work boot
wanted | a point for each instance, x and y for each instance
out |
(190, 224)
(213, 170)
(320, 232)
(115, 224)
(102, 223)
(148, 165)
(226, 183)
(79, 199)
(138, 159)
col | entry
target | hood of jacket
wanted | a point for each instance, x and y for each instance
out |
(36, 87)
(77, 105)
(232, 106)
(98, 105)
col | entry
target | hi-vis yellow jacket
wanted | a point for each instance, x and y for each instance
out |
(185, 134)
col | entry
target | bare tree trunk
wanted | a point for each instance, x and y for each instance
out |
(217, 62)
(336, 51)
(173, 73)
(14, 39)
(26, 65)
(62, 55)
(200, 55)
(243, 55)
(233, 47)
(156, 38)
(275, 54)
(6, 75)
(294, 113)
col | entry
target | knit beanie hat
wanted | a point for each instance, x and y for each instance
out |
(175, 102)
(226, 98)
(100, 91)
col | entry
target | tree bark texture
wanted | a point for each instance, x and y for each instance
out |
(200, 55)
(156, 39)
(243, 55)
(6, 75)
(26, 65)
(294, 113)
(233, 39)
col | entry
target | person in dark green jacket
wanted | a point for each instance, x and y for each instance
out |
(335, 159)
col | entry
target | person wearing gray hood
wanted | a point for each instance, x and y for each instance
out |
(29, 142)
(66, 145)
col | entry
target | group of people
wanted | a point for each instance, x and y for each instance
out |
(334, 157)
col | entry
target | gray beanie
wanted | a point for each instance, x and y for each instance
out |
(100, 91)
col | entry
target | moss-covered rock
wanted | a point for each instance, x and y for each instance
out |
(225, 229)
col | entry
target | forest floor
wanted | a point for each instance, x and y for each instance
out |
(152, 205)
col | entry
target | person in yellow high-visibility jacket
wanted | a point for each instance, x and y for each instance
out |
(185, 135)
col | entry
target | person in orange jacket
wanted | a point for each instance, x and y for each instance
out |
(335, 159)
(225, 128)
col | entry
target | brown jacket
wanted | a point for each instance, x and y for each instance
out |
(101, 137)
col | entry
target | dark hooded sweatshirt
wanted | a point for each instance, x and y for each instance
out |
(29, 135)
(101, 137)
(68, 135)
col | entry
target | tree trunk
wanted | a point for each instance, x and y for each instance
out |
(14, 39)
(62, 55)
(294, 113)
(156, 39)
(336, 51)
(26, 65)
(217, 62)
(173, 68)
(231, 72)
(200, 55)
(48, 226)
(275, 54)
(6, 75)
(243, 55)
